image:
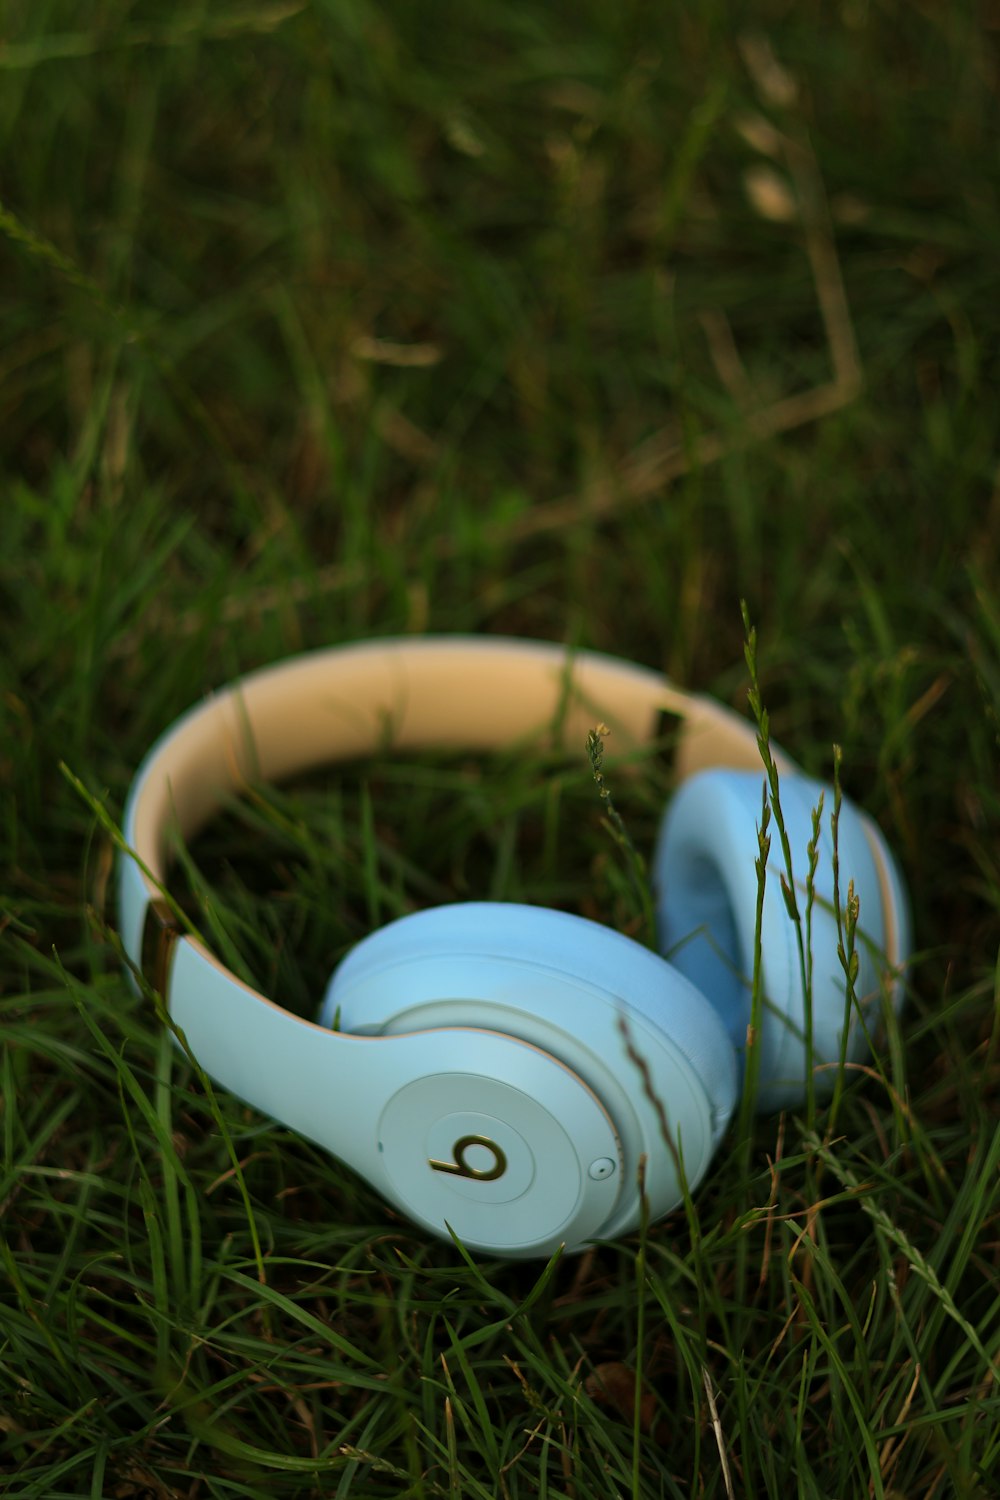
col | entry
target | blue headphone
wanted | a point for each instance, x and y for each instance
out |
(498, 1070)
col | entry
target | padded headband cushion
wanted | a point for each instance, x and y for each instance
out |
(706, 891)
(453, 692)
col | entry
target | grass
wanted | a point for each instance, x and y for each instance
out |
(326, 320)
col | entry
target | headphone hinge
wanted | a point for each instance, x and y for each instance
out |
(160, 931)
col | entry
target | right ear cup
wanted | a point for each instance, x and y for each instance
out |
(579, 992)
(705, 881)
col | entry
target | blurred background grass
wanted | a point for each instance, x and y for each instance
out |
(321, 320)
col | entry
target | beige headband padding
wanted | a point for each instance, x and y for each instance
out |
(445, 692)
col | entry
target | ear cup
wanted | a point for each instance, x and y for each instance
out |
(581, 992)
(706, 890)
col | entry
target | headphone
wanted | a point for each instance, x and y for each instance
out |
(498, 1070)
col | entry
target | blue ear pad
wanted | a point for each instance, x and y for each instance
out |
(559, 982)
(705, 883)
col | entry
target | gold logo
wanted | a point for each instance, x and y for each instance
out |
(461, 1168)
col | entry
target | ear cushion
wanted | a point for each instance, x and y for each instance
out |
(523, 958)
(706, 891)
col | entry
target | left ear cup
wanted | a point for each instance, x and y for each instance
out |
(705, 881)
(634, 1030)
